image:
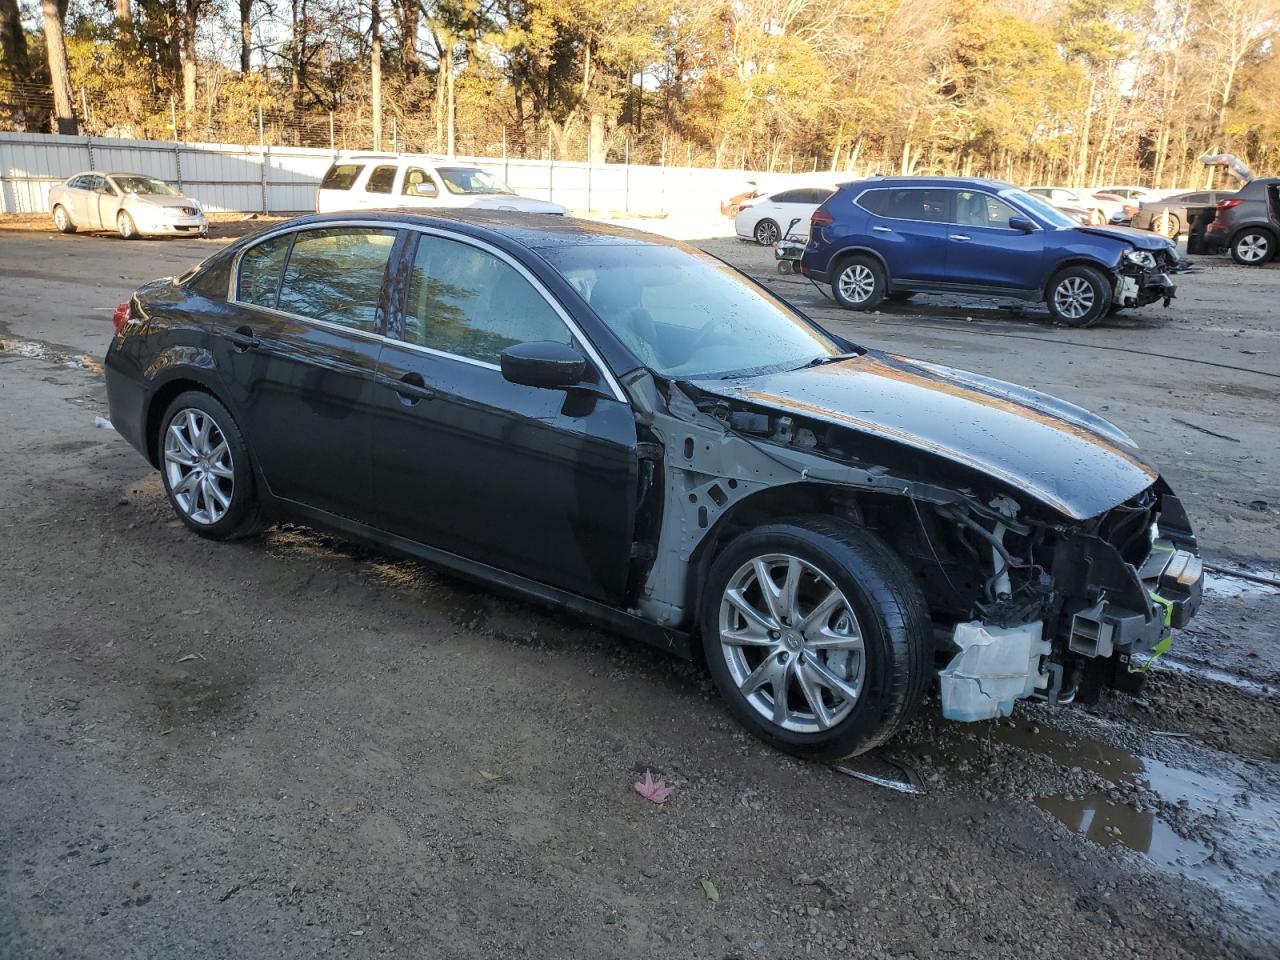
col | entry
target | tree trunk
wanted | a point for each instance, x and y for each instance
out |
(451, 107)
(440, 109)
(13, 42)
(52, 14)
(124, 13)
(597, 151)
(407, 12)
(375, 71)
(246, 35)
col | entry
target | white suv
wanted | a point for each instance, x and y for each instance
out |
(365, 181)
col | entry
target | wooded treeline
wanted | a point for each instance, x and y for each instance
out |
(1032, 90)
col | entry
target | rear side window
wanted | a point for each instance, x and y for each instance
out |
(789, 196)
(381, 180)
(335, 275)
(467, 302)
(914, 203)
(260, 269)
(341, 176)
(815, 195)
(873, 201)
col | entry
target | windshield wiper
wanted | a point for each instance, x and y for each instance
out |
(833, 358)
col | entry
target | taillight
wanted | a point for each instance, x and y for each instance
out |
(820, 216)
(121, 316)
(743, 206)
(1228, 204)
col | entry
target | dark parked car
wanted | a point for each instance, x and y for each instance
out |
(628, 428)
(1248, 222)
(893, 237)
(1168, 216)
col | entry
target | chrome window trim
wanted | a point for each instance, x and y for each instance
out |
(592, 354)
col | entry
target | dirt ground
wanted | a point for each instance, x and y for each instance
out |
(294, 747)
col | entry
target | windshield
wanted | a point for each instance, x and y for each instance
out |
(145, 186)
(686, 314)
(1039, 207)
(471, 180)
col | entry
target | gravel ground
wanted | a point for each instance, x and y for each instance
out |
(295, 747)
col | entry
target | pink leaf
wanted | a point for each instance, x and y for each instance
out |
(656, 791)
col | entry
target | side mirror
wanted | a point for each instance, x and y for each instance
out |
(543, 363)
(1021, 224)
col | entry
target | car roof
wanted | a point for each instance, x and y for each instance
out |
(932, 182)
(532, 230)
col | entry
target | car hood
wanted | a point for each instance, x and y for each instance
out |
(1076, 463)
(509, 201)
(156, 201)
(1142, 239)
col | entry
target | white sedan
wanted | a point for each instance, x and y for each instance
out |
(767, 219)
(132, 204)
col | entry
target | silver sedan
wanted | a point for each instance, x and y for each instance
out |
(132, 204)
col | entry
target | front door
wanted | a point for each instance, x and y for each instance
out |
(299, 350)
(535, 481)
(983, 250)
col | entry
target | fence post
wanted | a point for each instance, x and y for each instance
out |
(332, 145)
(626, 177)
(264, 154)
(173, 117)
(89, 146)
(261, 138)
(551, 169)
(177, 165)
(395, 135)
(506, 164)
(589, 179)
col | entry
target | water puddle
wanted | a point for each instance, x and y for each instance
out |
(1218, 823)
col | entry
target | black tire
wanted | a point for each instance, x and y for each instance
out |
(767, 233)
(1168, 226)
(242, 516)
(1065, 296)
(1253, 246)
(62, 219)
(859, 283)
(890, 610)
(127, 229)
(899, 296)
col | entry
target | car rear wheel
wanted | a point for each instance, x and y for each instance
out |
(767, 233)
(1167, 225)
(206, 469)
(1253, 247)
(817, 636)
(128, 229)
(859, 283)
(1079, 296)
(62, 220)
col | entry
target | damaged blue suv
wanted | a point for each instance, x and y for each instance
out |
(889, 238)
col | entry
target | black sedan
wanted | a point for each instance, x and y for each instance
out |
(1168, 216)
(628, 428)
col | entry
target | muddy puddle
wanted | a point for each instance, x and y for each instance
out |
(1206, 816)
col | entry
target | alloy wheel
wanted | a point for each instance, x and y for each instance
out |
(60, 219)
(1252, 247)
(125, 223)
(1073, 297)
(792, 643)
(198, 466)
(857, 282)
(766, 233)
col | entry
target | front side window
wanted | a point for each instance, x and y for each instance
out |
(974, 209)
(381, 180)
(418, 183)
(467, 302)
(260, 270)
(684, 313)
(341, 176)
(471, 180)
(336, 274)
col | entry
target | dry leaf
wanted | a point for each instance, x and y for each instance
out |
(656, 791)
(710, 890)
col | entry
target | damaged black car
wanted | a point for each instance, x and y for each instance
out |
(627, 428)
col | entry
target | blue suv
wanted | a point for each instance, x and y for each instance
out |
(888, 238)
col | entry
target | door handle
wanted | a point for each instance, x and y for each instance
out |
(958, 236)
(410, 388)
(882, 229)
(243, 339)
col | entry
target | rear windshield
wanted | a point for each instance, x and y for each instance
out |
(341, 176)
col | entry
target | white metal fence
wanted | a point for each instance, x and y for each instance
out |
(226, 177)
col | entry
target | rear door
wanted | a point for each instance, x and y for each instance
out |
(298, 352)
(908, 227)
(534, 481)
(983, 250)
(379, 186)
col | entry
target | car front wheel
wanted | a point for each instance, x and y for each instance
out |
(1079, 296)
(859, 284)
(62, 220)
(127, 228)
(1252, 248)
(206, 469)
(817, 636)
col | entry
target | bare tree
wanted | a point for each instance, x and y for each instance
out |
(53, 13)
(375, 71)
